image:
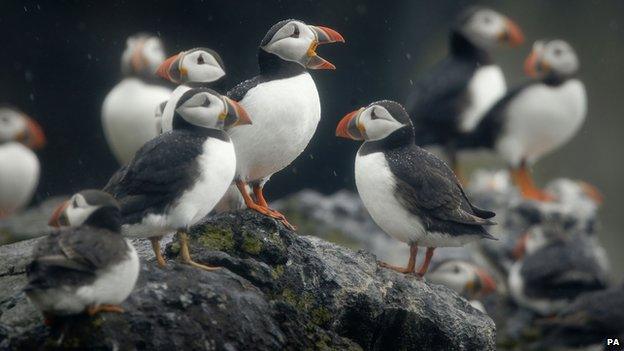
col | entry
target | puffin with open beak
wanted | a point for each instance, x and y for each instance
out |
(284, 104)
(194, 68)
(410, 193)
(19, 165)
(128, 109)
(86, 268)
(535, 118)
(451, 98)
(177, 178)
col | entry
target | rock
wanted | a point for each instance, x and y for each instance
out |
(277, 290)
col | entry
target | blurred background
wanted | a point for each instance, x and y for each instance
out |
(60, 59)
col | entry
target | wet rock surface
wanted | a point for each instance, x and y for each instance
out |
(276, 290)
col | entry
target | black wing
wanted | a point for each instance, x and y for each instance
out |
(561, 271)
(159, 173)
(72, 256)
(240, 90)
(427, 187)
(435, 101)
(491, 125)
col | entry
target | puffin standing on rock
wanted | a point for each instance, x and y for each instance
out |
(87, 268)
(410, 193)
(284, 105)
(177, 178)
(535, 118)
(451, 98)
(19, 166)
(194, 68)
(128, 109)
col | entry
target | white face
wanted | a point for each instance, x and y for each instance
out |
(12, 124)
(457, 275)
(485, 28)
(378, 123)
(201, 67)
(557, 56)
(204, 110)
(78, 211)
(292, 42)
(142, 55)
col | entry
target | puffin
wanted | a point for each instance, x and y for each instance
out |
(19, 165)
(553, 272)
(409, 192)
(176, 179)
(128, 109)
(537, 117)
(88, 267)
(449, 99)
(198, 67)
(284, 104)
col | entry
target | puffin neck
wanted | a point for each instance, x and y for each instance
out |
(400, 138)
(181, 125)
(461, 47)
(217, 85)
(105, 218)
(555, 80)
(275, 67)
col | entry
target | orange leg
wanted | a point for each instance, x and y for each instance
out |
(93, 310)
(157, 252)
(258, 193)
(242, 187)
(425, 266)
(523, 180)
(411, 263)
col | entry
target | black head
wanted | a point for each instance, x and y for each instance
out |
(204, 108)
(198, 65)
(376, 121)
(485, 28)
(553, 60)
(88, 207)
(143, 54)
(17, 126)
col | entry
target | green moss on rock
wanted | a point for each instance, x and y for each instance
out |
(219, 239)
(251, 244)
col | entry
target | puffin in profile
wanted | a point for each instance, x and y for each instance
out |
(89, 267)
(284, 105)
(19, 166)
(176, 179)
(194, 68)
(128, 109)
(450, 99)
(410, 193)
(537, 117)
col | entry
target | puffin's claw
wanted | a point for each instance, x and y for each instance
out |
(93, 310)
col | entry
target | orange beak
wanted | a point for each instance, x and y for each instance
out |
(592, 192)
(530, 64)
(33, 137)
(234, 108)
(137, 60)
(513, 34)
(348, 128)
(164, 70)
(487, 281)
(58, 218)
(323, 35)
(326, 35)
(520, 248)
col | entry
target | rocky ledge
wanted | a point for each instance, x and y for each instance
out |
(276, 290)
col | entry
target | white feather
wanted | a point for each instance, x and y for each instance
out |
(168, 112)
(485, 88)
(128, 116)
(217, 166)
(285, 114)
(541, 119)
(19, 176)
(376, 185)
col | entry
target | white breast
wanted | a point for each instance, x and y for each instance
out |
(112, 286)
(167, 116)
(128, 116)
(285, 114)
(376, 186)
(541, 119)
(19, 176)
(485, 88)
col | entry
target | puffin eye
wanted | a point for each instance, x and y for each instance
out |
(206, 103)
(4, 119)
(558, 52)
(295, 33)
(487, 19)
(373, 115)
(456, 269)
(200, 60)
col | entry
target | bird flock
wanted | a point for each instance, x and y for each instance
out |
(187, 152)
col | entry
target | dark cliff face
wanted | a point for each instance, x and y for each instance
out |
(277, 290)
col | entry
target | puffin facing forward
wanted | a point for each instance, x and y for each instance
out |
(128, 109)
(283, 103)
(194, 68)
(536, 118)
(19, 166)
(177, 178)
(87, 268)
(451, 98)
(410, 193)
